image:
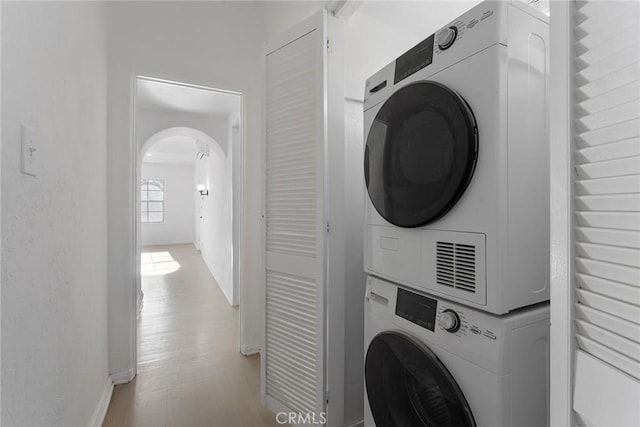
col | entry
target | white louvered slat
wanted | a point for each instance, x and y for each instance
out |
(623, 327)
(619, 78)
(617, 290)
(292, 357)
(614, 150)
(624, 184)
(291, 173)
(610, 202)
(609, 168)
(602, 67)
(291, 341)
(612, 254)
(627, 347)
(606, 100)
(607, 190)
(615, 132)
(618, 360)
(608, 236)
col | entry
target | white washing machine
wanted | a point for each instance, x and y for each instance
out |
(456, 162)
(431, 362)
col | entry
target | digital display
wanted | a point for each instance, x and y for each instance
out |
(416, 308)
(414, 60)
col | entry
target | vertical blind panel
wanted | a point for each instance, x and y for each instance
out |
(291, 358)
(607, 185)
(291, 128)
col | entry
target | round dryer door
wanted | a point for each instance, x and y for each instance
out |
(421, 153)
(407, 385)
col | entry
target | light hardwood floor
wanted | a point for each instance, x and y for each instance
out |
(190, 373)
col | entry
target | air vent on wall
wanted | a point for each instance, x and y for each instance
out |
(456, 266)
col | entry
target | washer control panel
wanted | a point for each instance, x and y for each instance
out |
(456, 321)
(417, 309)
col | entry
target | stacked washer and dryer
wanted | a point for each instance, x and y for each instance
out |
(457, 226)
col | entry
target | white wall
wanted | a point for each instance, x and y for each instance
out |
(54, 226)
(215, 230)
(214, 44)
(179, 196)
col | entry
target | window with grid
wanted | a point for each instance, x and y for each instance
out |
(152, 200)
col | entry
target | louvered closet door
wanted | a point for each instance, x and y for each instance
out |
(293, 371)
(607, 210)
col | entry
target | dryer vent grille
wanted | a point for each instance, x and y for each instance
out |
(456, 266)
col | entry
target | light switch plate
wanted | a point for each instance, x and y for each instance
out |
(29, 151)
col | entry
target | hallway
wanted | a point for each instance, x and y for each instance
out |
(190, 373)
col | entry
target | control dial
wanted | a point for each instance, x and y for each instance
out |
(449, 320)
(446, 37)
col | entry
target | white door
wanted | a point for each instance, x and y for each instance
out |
(595, 199)
(295, 144)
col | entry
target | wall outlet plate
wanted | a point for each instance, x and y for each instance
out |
(29, 151)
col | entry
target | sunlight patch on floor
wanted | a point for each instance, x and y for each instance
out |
(158, 263)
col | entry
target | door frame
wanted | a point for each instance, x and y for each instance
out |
(562, 222)
(238, 208)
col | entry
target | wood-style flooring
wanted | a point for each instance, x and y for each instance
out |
(190, 373)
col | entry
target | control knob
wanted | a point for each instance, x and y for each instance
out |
(446, 37)
(449, 321)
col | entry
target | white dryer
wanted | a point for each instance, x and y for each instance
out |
(456, 162)
(431, 362)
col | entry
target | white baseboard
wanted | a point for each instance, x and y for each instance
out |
(103, 404)
(224, 292)
(165, 243)
(249, 350)
(122, 377)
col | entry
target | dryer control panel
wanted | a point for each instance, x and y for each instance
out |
(415, 59)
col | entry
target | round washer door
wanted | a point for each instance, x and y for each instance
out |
(420, 154)
(407, 385)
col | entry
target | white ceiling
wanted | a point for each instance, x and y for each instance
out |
(174, 149)
(167, 97)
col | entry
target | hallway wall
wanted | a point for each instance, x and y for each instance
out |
(54, 226)
(214, 44)
(179, 196)
(215, 229)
